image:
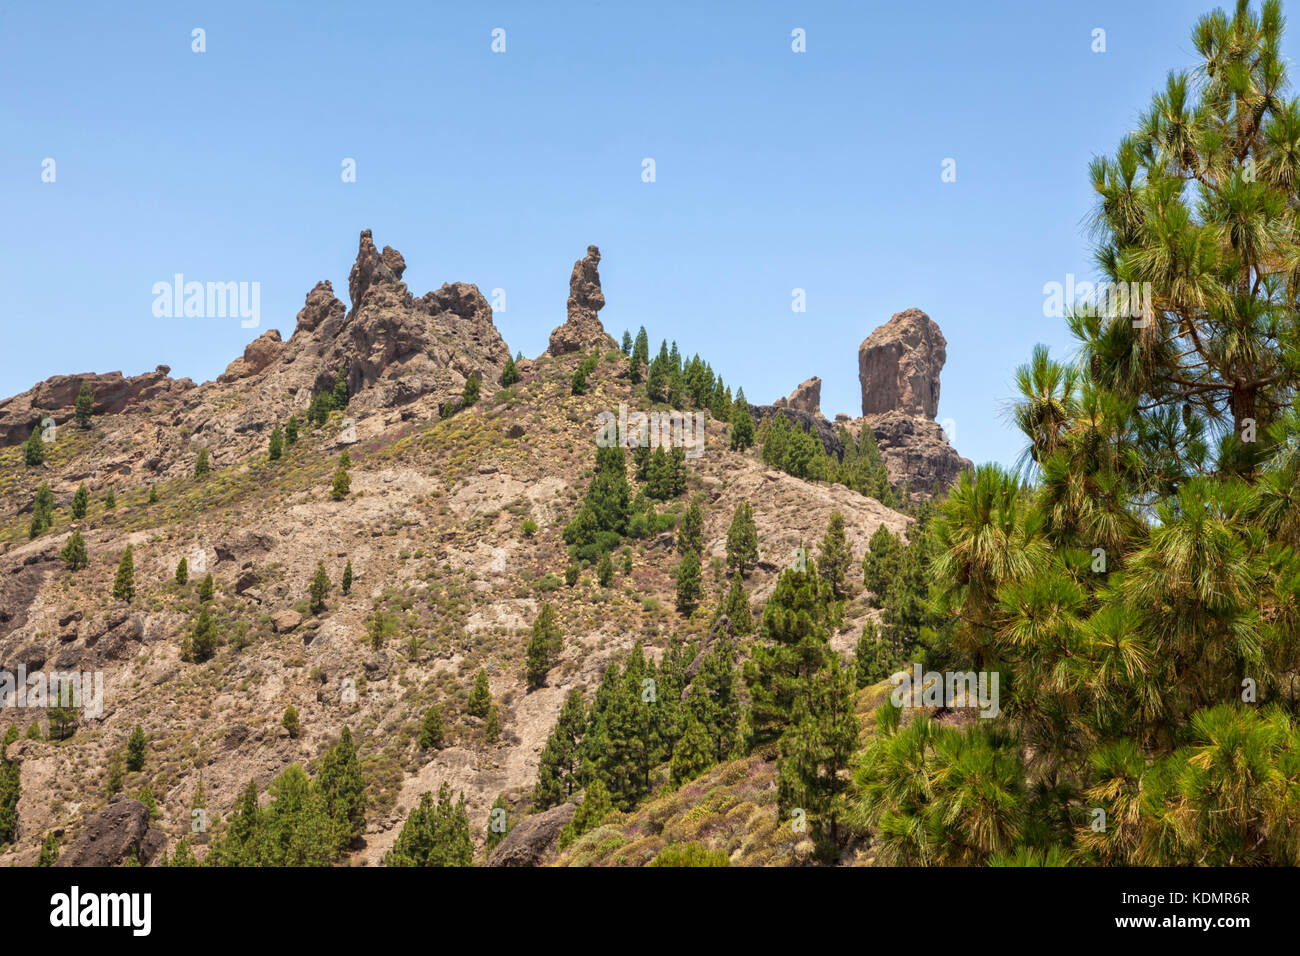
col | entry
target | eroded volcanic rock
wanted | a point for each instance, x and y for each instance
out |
(582, 329)
(806, 398)
(114, 393)
(899, 365)
(119, 831)
(898, 368)
(533, 839)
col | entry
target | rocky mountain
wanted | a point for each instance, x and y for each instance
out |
(582, 329)
(898, 369)
(452, 527)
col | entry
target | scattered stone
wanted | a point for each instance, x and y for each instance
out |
(284, 621)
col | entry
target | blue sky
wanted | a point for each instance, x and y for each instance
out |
(774, 171)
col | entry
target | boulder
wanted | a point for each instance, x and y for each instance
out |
(284, 621)
(533, 839)
(118, 832)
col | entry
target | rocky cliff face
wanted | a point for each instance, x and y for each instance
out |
(899, 365)
(403, 356)
(806, 398)
(582, 329)
(898, 368)
(114, 394)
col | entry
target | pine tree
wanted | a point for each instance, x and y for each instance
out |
(835, 557)
(202, 464)
(42, 511)
(498, 824)
(320, 589)
(594, 808)
(691, 535)
(124, 583)
(880, 564)
(431, 729)
(85, 404)
(492, 725)
(80, 502)
(74, 552)
(10, 791)
(693, 753)
(736, 607)
(339, 395)
(510, 374)
(742, 540)
(207, 588)
(640, 356)
(49, 850)
(469, 396)
(135, 748)
(794, 646)
(626, 347)
(110, 500)
(715, 700)
(276, 446)
(558, 772)
(202, 641)
(34, 448)
(434, 835)
(290, 722)
(153, 494)
(624, 742)
(291, 430)
(742, 423)
(480, 697)
(689, 583)
(343, 789)
(872, 661)
(578, 381)
(815, 754)
(346, 585)
(342, 485)
(604, 569)
(543, 648)
(182, 572)
(116, 771)
(603, 518)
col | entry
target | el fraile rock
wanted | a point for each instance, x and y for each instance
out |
(582, 329)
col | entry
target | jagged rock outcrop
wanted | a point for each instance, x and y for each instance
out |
(582, 329)
(899, 365)
(806, 398)
(916, 450)
(114, 393)
(118, 832)
(532, 839)
(898, 368)
(258, 354)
